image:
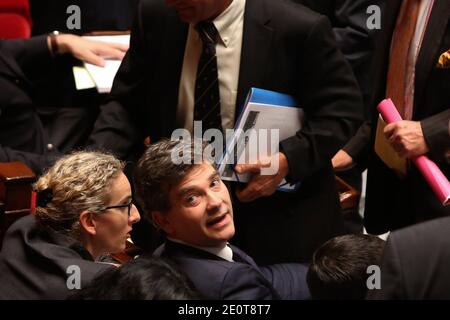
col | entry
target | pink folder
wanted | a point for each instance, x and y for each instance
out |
(430, 171)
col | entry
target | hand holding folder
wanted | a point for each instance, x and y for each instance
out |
(430, 171)
(262, 185)
(270, 117)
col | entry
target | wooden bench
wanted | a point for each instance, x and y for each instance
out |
(16, 181)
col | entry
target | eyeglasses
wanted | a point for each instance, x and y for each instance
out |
(128, 205)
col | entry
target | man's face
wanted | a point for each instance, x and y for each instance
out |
(201, 212)
(193, 11)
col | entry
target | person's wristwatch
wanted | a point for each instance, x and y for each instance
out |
(54, 49)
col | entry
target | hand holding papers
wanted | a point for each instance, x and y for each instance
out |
(104, 61)
(430, 171)
(94, 50)
(267, 118)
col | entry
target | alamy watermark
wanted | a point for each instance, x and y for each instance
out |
(374, 280)
(374, 20)
(73, 277)
(74, 20)
(251, 146)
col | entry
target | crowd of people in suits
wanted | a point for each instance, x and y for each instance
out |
(230, 241)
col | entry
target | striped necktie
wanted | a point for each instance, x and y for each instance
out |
(207, 95)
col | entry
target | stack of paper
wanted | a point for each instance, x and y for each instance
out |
(102, 77)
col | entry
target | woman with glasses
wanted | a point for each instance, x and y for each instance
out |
(84, 211)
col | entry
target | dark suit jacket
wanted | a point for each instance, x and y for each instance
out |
(22, 135)
(415, 263)
(357, 43)
(349, 21)
(34, 262)
(300, 57)
(392, 203)
(216, 278)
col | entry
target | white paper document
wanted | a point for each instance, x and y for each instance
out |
(258, 132)
(103, 77)
(83, 79)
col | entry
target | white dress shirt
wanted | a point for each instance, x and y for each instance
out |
(230, 25)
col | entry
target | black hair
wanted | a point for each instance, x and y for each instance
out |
(339, 267)
(145, 278)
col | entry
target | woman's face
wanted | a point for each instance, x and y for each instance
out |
(113, 225)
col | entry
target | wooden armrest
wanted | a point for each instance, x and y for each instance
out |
(15, 185)
(348, 196)
(15, 193)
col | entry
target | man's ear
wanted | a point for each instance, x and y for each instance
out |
(162, 221)
(88, 223)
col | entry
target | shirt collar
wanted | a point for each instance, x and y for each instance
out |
(227, 21)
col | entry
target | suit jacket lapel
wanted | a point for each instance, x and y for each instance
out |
(240, 256)
(256, 43)
(429, 50)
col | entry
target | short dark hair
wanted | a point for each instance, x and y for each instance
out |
(339, 267)
(156, 173)
(145, 278)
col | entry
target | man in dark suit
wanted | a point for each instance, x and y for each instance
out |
(349, 20)
(24, 63)
(357, 42)
(274, 45)
(415, 263)
(192, 205)
(392, 201)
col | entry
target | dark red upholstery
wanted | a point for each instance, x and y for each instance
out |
(15, 19)
(14, 26)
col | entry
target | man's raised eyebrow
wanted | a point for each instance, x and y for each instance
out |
(183, 191)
